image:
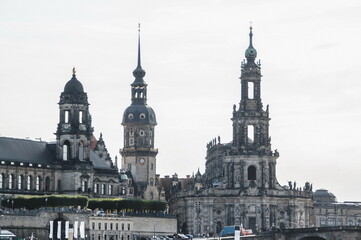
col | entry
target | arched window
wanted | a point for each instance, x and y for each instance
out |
(66, 151)
(81, 151)
(37, 183)
(29, 183)
(20, 182)
(252, 173)
(47, 184)
(1, 181)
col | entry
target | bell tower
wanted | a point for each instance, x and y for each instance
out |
(251, 140)
(74, 130)
(250, 121)
(139, 121)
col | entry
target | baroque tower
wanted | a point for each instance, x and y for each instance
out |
(139, 121)
(239, 185)
(73, 137)
(74, 130)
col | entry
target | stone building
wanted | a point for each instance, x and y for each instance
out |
(75, 164)
(330, 213)
(139, 154)
(239, 185)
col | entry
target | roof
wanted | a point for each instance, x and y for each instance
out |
(24, 150)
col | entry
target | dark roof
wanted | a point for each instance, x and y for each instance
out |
(73, 86)
(98, 163)
(135, 117)
(23, 150)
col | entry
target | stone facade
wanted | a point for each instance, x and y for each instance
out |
(139, 154)
(67, 166)
(239, 185)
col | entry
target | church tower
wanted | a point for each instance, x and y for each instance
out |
(139, 121)
(250, 163)
(251, 127)
(74, 128)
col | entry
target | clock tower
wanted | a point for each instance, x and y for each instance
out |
(139, 121)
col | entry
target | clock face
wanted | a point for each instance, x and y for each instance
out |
(142, 161)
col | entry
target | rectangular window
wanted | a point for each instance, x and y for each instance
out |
(128, 226)
(250, 90)
(131, 141)
(250, 133)
(99, 226)
(80, 116)
(122, 226)
(110, 189)
(66, 116)
(106, 226)
(111, 226)
(103, 189)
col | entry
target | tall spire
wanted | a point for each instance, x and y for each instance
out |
(139, 73)
(251, 52)
(139, 65)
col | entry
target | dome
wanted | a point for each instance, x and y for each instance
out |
(73, 86)
(123, 177)
(139, 114)
(322, 195)
(251, 52)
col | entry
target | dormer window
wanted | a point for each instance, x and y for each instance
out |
(142, 116)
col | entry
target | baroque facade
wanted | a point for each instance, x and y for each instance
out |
(239, 185)
(75, 164)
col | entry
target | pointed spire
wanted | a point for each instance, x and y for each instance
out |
(139, 65)
(251, 52)
(139, 73)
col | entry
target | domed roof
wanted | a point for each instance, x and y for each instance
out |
(322, 195)
(251, 52)
(73, 86)
(123, 176)
(139, 114)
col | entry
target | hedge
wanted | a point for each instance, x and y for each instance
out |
(119, 204)
(127, 205)
(33, 202)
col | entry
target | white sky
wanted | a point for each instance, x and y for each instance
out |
(191, 50)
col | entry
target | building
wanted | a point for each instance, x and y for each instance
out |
(240, 185)
(75, 164)
(138, 153)
(330, 213)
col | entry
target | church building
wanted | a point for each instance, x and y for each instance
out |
(239, 186)
(75, 164)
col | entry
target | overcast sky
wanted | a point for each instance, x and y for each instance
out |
(191, 52)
